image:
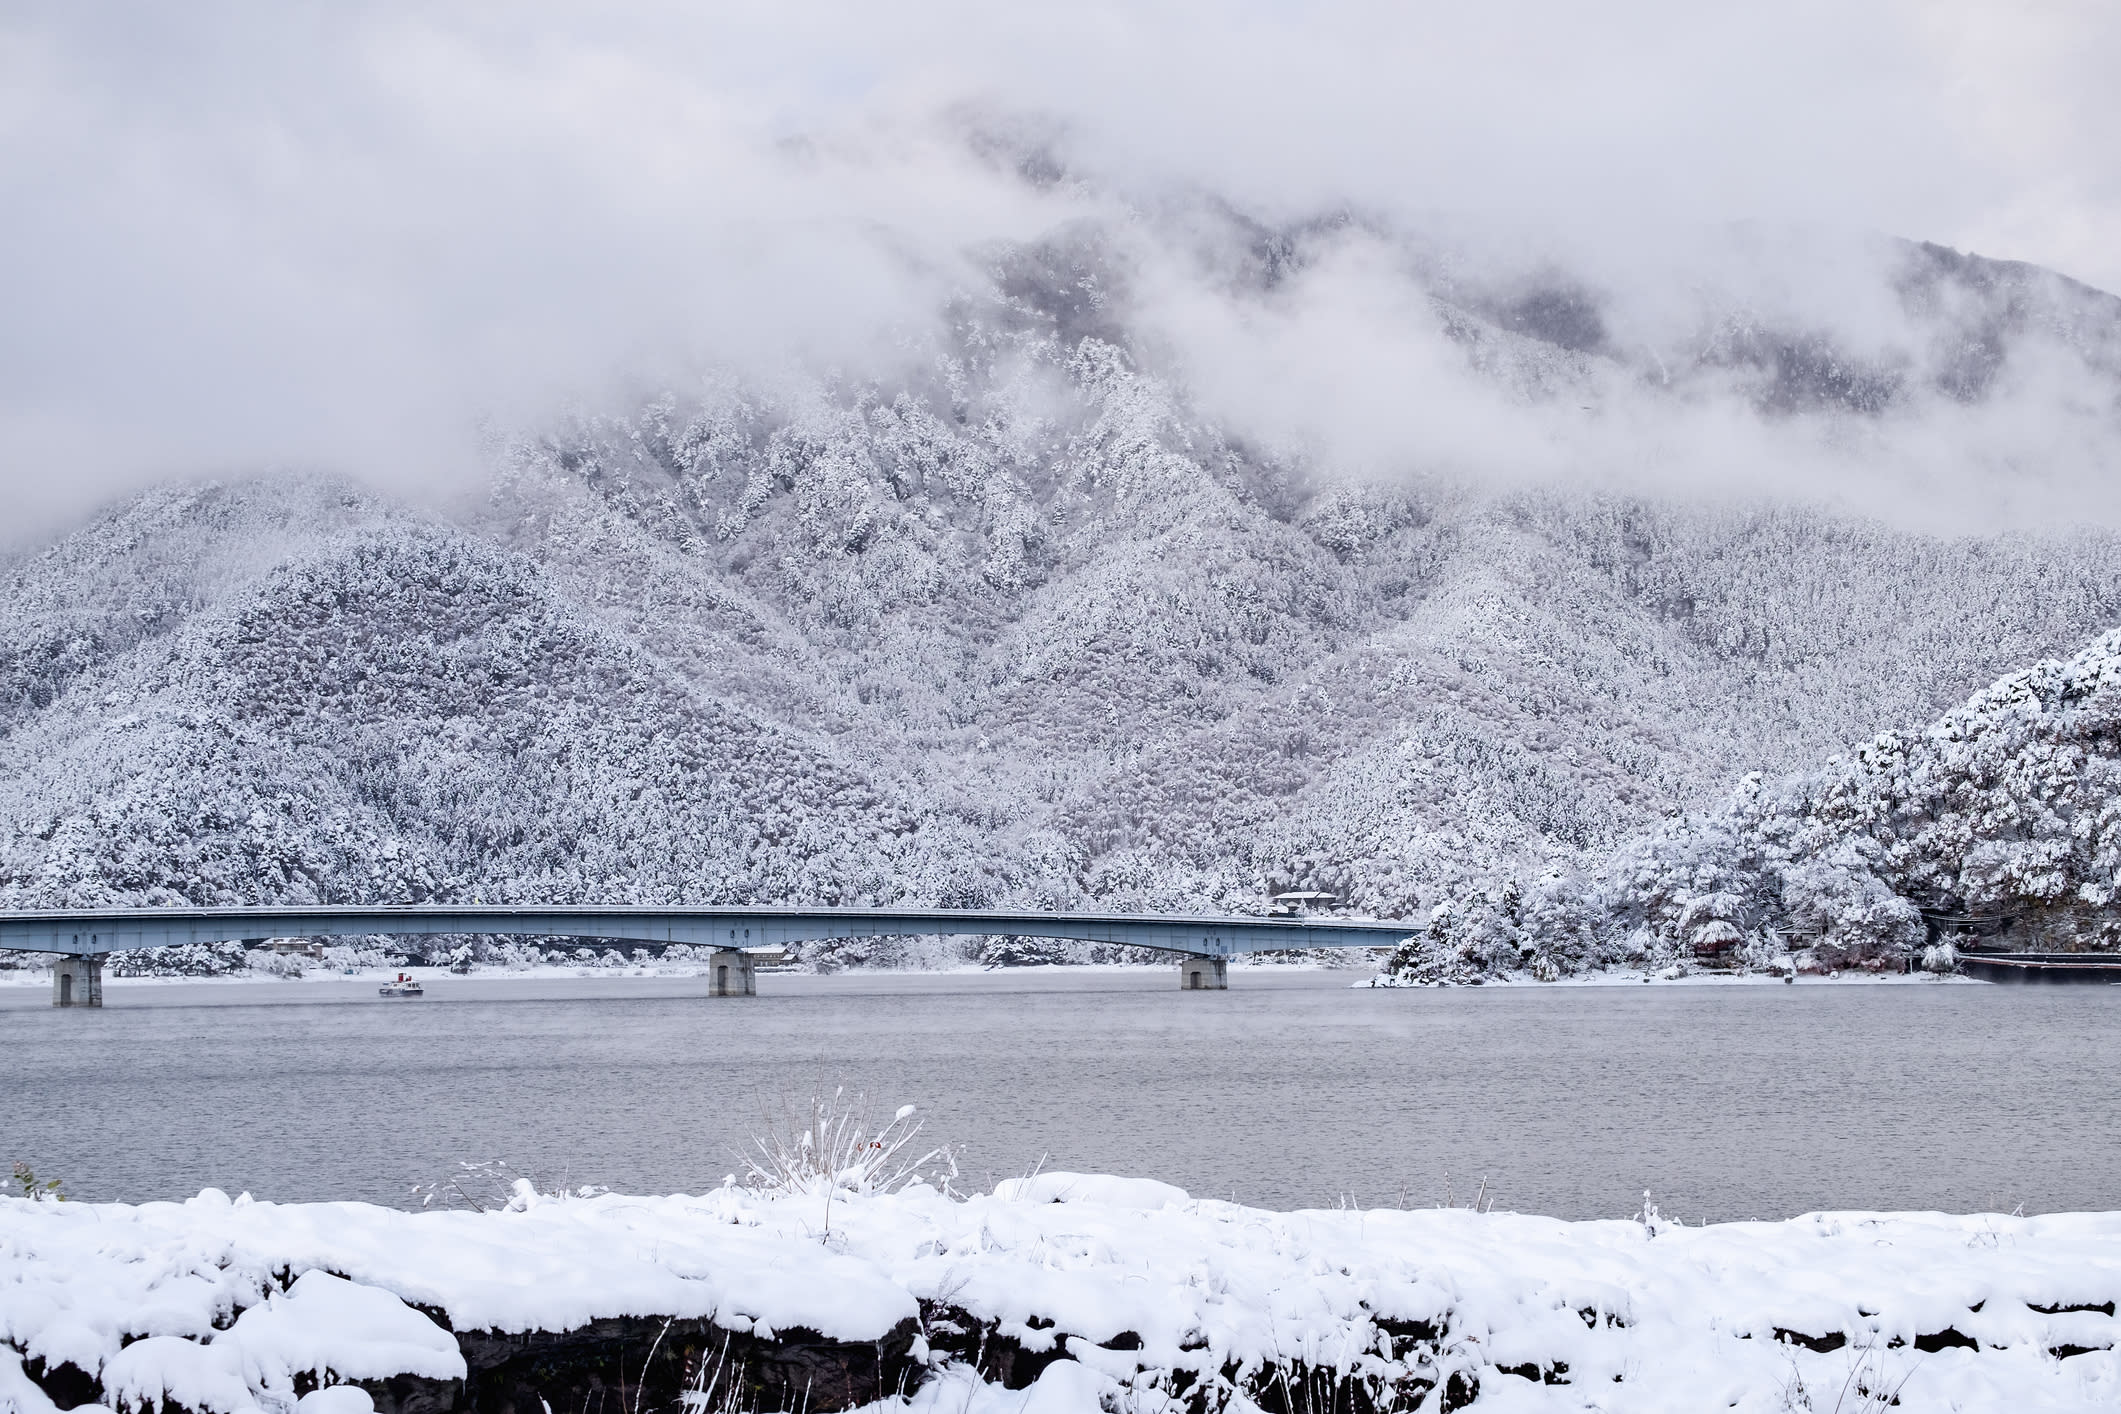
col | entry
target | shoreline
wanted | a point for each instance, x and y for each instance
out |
(29, 977)
(1849, 978)
(569, 972)
(1053, 1292)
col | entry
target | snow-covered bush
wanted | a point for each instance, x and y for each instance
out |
(1851, 917)
(265, 962)
(1542, 932)
(367, 955)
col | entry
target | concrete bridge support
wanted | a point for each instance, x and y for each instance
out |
(1204, 974)
(732, 974)
(77, 980)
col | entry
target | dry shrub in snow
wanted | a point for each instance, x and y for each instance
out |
(829, 1145)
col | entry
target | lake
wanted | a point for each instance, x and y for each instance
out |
(1289, 1090)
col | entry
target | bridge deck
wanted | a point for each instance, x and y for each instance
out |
(97, 931)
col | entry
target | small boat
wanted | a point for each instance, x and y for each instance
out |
(401, 985)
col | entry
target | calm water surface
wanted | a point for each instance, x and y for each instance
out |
(1289, 1090)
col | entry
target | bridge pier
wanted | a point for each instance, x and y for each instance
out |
(731, 974)
(77, 980)
(1203, 974)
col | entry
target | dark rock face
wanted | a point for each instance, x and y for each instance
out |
(411, 1394)
(646, 1364)
(66, 1385)
(656, 1365)
(1823, 1344)
(1289, 1387)
(642, 1363)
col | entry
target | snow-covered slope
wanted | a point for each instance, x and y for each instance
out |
(403, 713)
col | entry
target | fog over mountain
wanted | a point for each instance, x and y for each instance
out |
(364, 239)
(529, 463)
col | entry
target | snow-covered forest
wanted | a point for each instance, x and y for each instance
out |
(1033, 620)
(1999, 822)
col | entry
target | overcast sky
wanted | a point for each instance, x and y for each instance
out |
(339, 234)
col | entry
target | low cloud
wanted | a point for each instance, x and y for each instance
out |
(1742, 362)
(350, 237)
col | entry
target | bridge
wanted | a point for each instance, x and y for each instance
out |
(84, 937)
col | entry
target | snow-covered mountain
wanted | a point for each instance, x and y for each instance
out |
(1035, 619)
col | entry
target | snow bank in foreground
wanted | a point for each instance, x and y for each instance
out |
(1114, 1294)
